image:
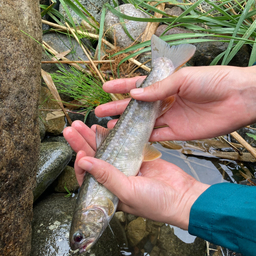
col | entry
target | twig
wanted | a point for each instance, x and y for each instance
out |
(75, 61)
(231, 145)
(244, 143)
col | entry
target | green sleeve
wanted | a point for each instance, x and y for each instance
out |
(225, 214)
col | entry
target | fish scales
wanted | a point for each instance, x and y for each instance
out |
(123, 148)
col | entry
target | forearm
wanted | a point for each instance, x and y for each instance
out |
(225, 215)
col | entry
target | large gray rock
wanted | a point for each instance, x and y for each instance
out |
(20, 58)
(135, 28)
(93, 7)
(54, 157)
(51, 224)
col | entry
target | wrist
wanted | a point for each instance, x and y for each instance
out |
(189, 198)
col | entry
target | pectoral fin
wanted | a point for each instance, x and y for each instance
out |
(101, 134)
(166, 104)
(151, 153)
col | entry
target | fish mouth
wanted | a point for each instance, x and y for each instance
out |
(87, 245)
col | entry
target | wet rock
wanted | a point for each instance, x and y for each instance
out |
(103, 121)
(54, 157)
(62, 43)
(137, 230)
(20, 58)
(115, 29)
(67, 179)
(47, 103)
(170, 244)
(51, 225)
(93, 7)
(120, 216)
(41, 128)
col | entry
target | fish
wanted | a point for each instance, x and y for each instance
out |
(125, 147)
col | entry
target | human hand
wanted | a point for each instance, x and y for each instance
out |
(162, 192)
(210, 101)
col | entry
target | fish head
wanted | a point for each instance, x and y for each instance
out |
(87, 227)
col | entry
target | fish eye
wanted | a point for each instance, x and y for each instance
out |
(78, 237)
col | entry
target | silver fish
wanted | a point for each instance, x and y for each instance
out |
(125, 147)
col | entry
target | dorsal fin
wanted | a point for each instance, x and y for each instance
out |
(151, 153)
(178, 54)
(101, 135)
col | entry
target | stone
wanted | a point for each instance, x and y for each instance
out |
(170, 244)
(177, 30)
(46, 104)
(20, 58)
(174, 11)
(93, 7)
(66, 179)
(115, 29)
(120, 216)
(62, 43)
(137, 230)
(51, 225)
(53, 158)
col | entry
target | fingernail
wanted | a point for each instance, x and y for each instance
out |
(84, 164)
(137, 91)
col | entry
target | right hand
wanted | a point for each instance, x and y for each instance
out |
(210, 101)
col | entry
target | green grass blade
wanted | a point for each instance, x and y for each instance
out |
(101, 31)
(68, 13)
(239, 23)
(253, 55)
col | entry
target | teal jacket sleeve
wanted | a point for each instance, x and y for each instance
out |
(225, 214)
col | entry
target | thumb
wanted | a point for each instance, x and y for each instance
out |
(107, 175)
(162, 89)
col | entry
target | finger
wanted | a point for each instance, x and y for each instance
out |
(77, 142)
(107, 175)
(79, 171)
(87, 133)
(120, 85)
(162, 89)
(112, 123)
(112, 108)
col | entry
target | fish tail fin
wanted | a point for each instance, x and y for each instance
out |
(178, 54)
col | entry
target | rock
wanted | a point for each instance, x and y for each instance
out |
(62, 43)
(174, 11)
(135, 28)
(207, 51)
(120, 216)
(54, 157)
(20, 58)
(67, 179)
(103, 121)
(170, 244)
(51, 224)
(136, 230)
(47, 102)
(160, 30)
(93, 7)
(41, 128)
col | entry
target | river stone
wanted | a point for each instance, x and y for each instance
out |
(51, 225)
(93, 7)
(137, 230)
(53, 158)
(115, 29)
(67, 179)
(177, 30)
(47, 102)
(170, 244)
(20, 58)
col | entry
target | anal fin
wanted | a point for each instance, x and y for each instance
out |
(101, 135)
